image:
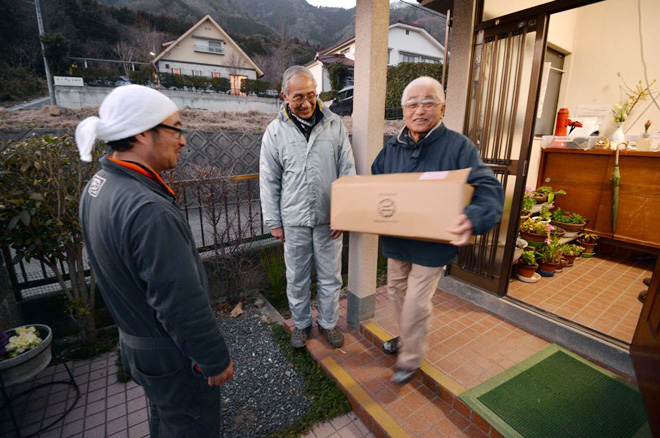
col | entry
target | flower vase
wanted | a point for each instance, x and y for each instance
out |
(617, 137)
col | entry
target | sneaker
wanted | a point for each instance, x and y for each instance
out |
(299, 336)
(401, 376)
(391, 346)
(334, 337)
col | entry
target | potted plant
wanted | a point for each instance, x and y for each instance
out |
(588, 241)
(25, 354)
(571, 252)
(528, 202)
(549, 256)
(536, 232)
(527, 264)
(571, 222)
(547, 194)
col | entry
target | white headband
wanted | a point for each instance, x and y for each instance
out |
(125, 112)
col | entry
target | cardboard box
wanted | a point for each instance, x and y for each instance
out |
(415, 205)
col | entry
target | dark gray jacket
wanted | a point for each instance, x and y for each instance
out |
(441, 149)
(147, 265)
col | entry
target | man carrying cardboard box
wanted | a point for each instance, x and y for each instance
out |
(414, 266)
(303, 151)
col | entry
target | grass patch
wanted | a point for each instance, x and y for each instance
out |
(328, 401)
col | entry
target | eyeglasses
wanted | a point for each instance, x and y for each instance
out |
(426, 104)
(179, 132)
(299, 99)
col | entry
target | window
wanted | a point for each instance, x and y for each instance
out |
(209, 46)
(238, 84)
(215, 74)
(409, 57)
(549, 94)
(196, 72)
(176, 71)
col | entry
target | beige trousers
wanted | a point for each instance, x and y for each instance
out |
(410, 288)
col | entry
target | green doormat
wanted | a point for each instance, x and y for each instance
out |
(555, 393)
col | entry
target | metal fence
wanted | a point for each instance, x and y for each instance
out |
(222, 211)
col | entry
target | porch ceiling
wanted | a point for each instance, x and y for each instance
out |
(438, 5)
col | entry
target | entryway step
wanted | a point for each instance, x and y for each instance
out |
(413, 410)
(433, 379)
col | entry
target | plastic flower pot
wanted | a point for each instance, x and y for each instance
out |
(547, 269)
(28, 364)
(526, 271)
(570, 260)
(588, 247)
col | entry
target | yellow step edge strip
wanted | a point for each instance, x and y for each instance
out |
(427, 368)
(384, 420)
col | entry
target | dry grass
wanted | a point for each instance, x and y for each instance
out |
(192, 118)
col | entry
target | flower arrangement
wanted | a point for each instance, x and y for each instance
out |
(635, 95)
(24, 339)
(551, 251)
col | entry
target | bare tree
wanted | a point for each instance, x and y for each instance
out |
(127, 53)
(146, 39)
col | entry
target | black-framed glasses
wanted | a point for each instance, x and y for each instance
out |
(179, 132)
(426, 104)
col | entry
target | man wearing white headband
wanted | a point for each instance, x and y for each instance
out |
(144, 256)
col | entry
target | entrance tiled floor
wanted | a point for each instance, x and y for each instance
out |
(465, 342)
(598, 292)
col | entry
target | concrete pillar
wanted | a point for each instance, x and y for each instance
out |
(460, 60)
(371, 32)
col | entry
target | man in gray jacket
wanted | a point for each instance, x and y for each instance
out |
(303, 151)
(147, 265)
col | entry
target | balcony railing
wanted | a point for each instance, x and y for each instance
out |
(207, 49)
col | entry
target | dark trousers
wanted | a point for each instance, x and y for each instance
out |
(181, 402)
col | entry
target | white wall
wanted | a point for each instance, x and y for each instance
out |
(607, 41)
(80, 97)
(414, 43)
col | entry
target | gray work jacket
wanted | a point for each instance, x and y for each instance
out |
(147, 264)
(295, 174)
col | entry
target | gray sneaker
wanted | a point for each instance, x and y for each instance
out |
(334, 337)
(401, 377)
(299, 336)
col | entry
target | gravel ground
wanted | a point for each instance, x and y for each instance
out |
(266, 393)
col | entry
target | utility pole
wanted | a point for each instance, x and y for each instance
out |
(49, 78)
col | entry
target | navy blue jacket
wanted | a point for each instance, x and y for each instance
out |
(441, 149)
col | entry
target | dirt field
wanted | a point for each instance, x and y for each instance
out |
(192, 119)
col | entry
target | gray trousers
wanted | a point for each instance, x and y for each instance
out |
(301, 245)
(181, 403)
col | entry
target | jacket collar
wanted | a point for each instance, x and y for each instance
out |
(153, 181)
(416, 148)
(284, 117)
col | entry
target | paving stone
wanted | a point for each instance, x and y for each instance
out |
(116, 412)
(99, 394)
(137, 417)
(134, 393)
(76, 413)
(56, 409)
(95, 407)
(91, 421)
(137, 403)
(97, 432)
(139, 431)
(74, 428)
(116, 425)
(116, 388)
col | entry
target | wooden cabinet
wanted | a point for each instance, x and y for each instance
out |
(585, 175)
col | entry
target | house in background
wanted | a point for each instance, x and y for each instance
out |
(206, 50)
(407, 42)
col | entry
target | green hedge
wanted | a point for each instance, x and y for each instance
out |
(398, 76)
(327, 95)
